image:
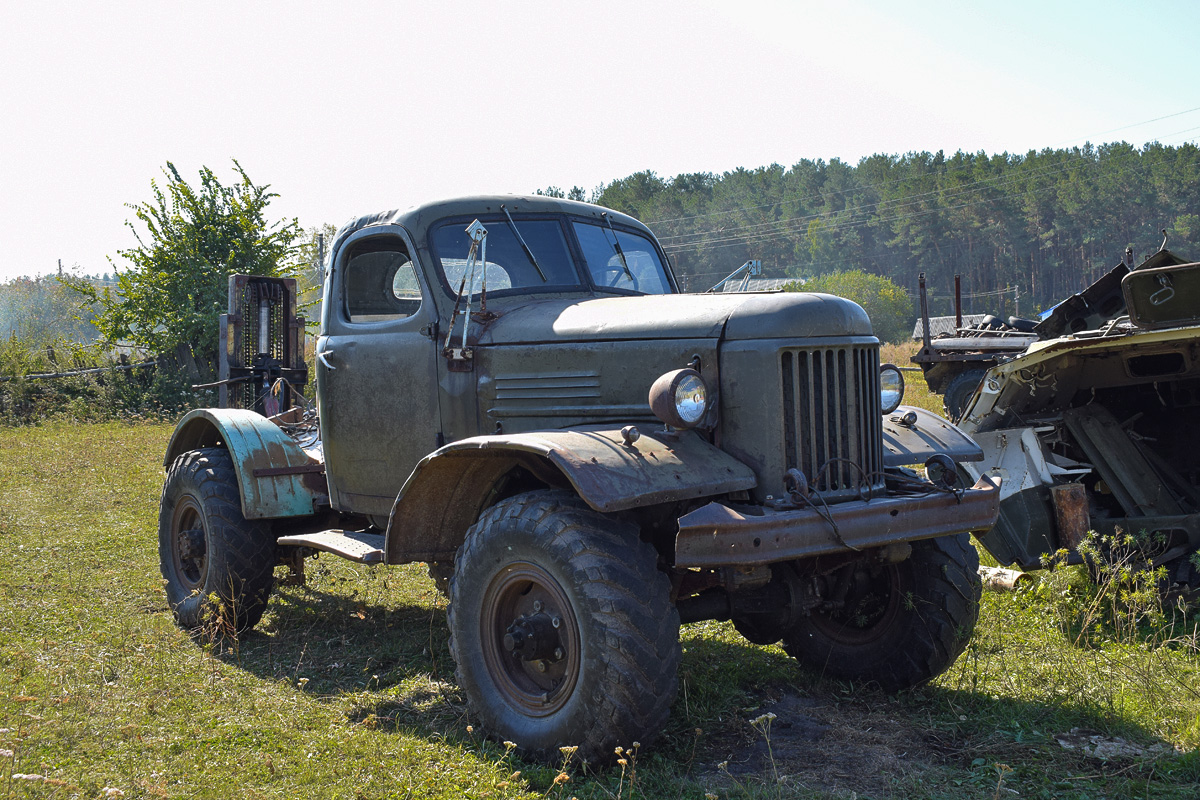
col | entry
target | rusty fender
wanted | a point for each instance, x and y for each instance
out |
(717, 535)
(446, 492)
(276, 477)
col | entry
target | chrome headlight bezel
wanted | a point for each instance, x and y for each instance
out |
(891, 387)
(680, 398)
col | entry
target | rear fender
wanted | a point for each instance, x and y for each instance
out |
(450, 488)
(277, 478)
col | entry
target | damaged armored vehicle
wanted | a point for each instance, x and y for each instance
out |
(514, 391)
(1093, 426)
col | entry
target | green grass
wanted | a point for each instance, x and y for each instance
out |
(346, 690)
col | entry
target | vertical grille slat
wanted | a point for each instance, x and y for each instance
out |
(832, 417)
(810, 415)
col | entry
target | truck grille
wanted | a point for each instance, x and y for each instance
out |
(832, 419)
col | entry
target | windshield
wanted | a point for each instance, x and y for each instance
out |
(620, 259)
(508, 267)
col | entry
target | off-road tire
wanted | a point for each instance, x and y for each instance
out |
(958, 392)
(924, 610)
(618, 631)
(219, 578)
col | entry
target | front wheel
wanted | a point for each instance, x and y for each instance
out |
(218, 567)
(562, 628)
(898, 625)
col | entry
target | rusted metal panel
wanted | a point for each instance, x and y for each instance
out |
(1166, 297)
(446, 493)
(609, 475)
(442, 498)
(263, 455)
(658, 468)
(1123, 465)
(717, 535)
(1071, 515)
(926, 435)
(1049, 373)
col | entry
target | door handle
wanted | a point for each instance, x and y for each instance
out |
(322, 357)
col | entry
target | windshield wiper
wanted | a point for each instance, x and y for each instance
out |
(617, 248)
(525, 247)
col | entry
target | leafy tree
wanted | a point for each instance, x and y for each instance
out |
(175, 286)
(887, 304)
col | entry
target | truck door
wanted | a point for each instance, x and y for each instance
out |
(376, 371)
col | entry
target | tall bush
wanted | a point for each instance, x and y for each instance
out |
(175, 282)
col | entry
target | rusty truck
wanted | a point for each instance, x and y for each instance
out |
(514, 391)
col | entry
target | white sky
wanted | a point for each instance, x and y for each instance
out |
(391, 104)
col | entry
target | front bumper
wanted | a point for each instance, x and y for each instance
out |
(716, 535)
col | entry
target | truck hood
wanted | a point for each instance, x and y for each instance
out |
(777, 315)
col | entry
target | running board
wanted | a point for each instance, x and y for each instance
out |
(360, 546)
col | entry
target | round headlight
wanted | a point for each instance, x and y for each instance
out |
(891, 387)
(679, 398)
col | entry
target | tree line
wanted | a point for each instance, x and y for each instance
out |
(1028, 229)
(1023, 230)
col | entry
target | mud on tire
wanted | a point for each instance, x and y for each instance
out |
(903, 624)
(217, 565)
(562, 628)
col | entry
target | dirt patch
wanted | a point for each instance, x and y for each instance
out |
(826, 742)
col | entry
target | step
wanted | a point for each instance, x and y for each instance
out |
(362, 546)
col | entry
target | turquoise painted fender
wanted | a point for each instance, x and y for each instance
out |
(277, 478)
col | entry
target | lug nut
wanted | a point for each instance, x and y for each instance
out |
(541, 665)
(556, 622)
(537, 605)
(558, 654)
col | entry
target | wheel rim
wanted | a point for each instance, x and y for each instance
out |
(869, 608)
(533, 662)
(188, 543)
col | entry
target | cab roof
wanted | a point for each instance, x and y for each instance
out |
(418, 219)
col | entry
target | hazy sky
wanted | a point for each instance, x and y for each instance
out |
(391, 104)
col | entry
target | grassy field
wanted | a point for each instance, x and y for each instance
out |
(346, 690)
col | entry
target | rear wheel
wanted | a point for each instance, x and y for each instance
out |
(898, 625)
(562, 628)
(958, 392)
(217, 565)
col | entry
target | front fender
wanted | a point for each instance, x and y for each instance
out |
(447, 491)
(927, 435)
(277, 478)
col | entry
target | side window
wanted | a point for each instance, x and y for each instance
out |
(380, 283)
